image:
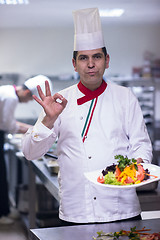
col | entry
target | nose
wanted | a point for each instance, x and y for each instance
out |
(91, 63)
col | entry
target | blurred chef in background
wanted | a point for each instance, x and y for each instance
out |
(10, 96)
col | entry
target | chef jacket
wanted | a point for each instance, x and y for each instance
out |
(117, 127)
(8, 104)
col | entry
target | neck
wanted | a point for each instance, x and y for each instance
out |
(92, 87)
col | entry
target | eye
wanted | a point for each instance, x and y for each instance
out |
(97, 56)
(82, 57)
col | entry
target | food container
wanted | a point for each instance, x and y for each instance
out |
(51, 164)
(149, 187)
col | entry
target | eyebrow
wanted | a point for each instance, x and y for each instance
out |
(98, 54)
(82, 55)
(94, 55)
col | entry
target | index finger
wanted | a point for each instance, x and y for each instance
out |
(40, 92)
(37, 99)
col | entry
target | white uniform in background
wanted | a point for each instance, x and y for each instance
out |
(8, 104)
(117, 127)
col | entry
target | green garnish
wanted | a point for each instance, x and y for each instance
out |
(133, 234)
(125, 161)
(110, 178)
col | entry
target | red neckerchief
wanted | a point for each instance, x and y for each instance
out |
(14, 87)
(89, 95)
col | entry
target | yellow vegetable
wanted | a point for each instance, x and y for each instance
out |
(129, 171)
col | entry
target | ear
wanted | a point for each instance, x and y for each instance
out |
(107, 60)
(28, 93)
(74, 64)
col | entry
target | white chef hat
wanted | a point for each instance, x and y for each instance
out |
(88, 31)
(33, 82)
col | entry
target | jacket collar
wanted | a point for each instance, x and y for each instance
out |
(88, 94)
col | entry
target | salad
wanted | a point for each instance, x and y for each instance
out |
(126, 172)
(133, 234)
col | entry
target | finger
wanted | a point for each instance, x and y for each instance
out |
(37, 99)
(139, 160)
(58, 96)
(40, 92)
(64, 102)
(47, 87)
(60, 99)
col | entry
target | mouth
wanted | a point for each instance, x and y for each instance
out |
(91, 73)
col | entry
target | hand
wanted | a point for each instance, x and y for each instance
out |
(52, 105)
(23, 127)
(139, 160)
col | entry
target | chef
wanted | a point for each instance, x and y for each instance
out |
(94, 120)
(10, 96)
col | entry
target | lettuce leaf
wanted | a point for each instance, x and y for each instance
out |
(110, 178)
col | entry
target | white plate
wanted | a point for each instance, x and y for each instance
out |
(153, 169)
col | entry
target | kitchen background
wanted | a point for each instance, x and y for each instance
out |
(37, 38)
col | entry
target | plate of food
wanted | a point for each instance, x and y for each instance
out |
(133, 233)
(126, 173)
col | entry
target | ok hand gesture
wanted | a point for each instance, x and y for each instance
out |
(52, 105)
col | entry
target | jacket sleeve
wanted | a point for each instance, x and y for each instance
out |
(37, 141)
(140, 142)
(8, 118)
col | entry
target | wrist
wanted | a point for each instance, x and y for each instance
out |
(48, 122)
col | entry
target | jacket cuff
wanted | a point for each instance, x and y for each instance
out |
(40, 131)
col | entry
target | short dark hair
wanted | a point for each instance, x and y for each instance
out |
(24, 87)
(76, 52)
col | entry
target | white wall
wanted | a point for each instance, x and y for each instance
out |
(127, 45)
(49, 51)
(32, 51)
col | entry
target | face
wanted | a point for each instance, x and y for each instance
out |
(25, 96)
(91, 64)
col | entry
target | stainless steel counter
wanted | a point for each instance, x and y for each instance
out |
(49, 181)
(86, 232)
(37, 168)
(149, 199)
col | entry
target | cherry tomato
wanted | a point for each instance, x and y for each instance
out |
(129, 180)
(140, 173)
(100, 179)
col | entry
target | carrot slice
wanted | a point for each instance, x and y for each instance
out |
(152, 175)
(117, 172)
